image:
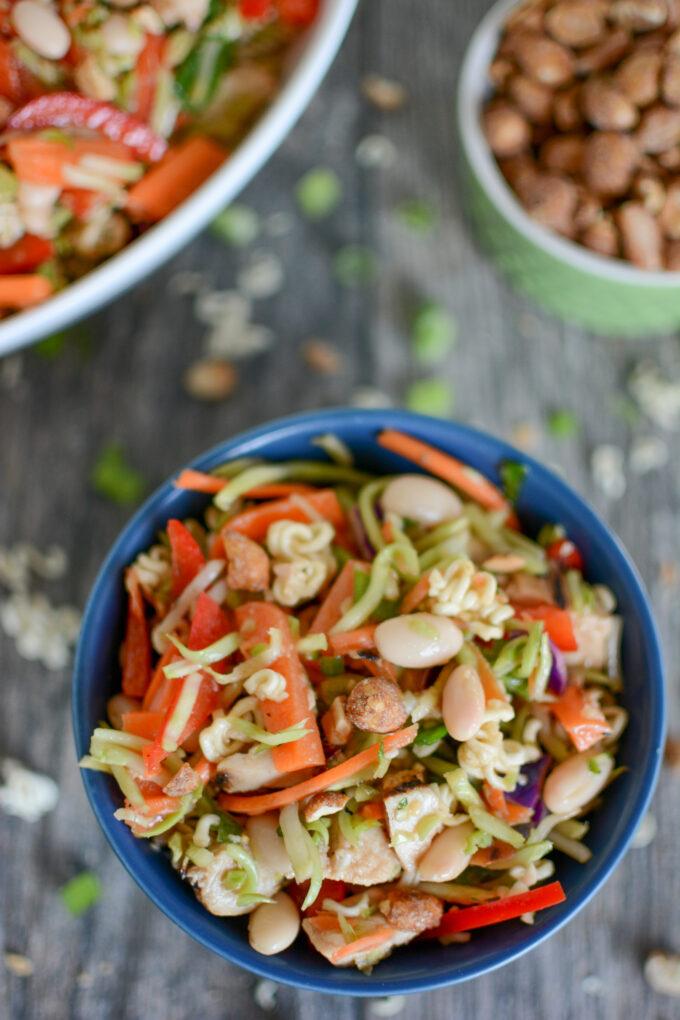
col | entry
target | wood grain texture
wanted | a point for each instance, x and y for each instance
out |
(124, 960)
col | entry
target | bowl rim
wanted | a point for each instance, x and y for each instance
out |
(471, 83)
(146, 253)
(371, 420)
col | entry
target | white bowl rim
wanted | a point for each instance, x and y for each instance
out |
(158, 244)
(471, 83)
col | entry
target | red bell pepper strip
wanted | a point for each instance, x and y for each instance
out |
(187, 556)
(71, 110)
(149, 63)
(484, 914)
(254, 522)
(557, 623)
(331, 889)
(255, 620)
(298, 12)
(136, 648)
(209, 624)
(565, 553)
(253, 10)
(581, 717)
(25, 255)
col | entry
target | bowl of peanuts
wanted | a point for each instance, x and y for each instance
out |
(543, 498)
(569, 119)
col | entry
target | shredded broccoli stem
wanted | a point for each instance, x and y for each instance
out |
(186, 804)
(386, 559)
(441, 533)
(204, 657)
(453, 892)
(495, 827)
(528, 854)
(366, 504)
(571, 847)
(488, 527)
(300, 470)
(531, 650)
(462, 788)
(128, 786)
(235, 467)
(256, 733)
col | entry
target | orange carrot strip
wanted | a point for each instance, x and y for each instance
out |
(581, 717)
(331, 609)
(352, 640)
(254, 523)
(325, 922)
(453, 471)
(502, 807)
(21, 290)
(38, 160)
(179, 173)
(255, 620)
(375, 809)
(415, 596)
(199, 481)
(259, 803)
(364, 944)
(493, 688)
(143, 724)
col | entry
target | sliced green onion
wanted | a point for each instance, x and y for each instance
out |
(318, 193)
(197, 77)
(563, 424)
(332, 665)
(433, 397)
(512, 474)
(113, 478)
(433, 333)
(430, 734)
(81, 893)
(355, 265)
(397, 555)
(417, 214)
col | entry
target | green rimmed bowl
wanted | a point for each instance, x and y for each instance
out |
(605, 295)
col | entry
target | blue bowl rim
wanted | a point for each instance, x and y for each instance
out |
(373, 420)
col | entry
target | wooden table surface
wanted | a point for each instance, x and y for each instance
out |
(124, 960)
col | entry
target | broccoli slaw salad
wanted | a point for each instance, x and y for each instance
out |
(367, 707)
(113, 113)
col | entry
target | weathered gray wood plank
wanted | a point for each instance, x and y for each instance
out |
(125, 960)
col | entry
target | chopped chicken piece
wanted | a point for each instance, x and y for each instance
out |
(406, 809)
(411, 910)
(327, 942)
(247, 563)
(370, 862)
(321, 804)
(242, 773)
(216, 896)
(597, 638)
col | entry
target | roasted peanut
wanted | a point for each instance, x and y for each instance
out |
(640, 236)
(604, 54)
(670, 81)
(376, 705)
(588, 210)
(609, 162)
(659, 129)
(639, 15)
(669, 217)
(506, 130)
(532, 99)
(247, 563)
(673, 256)
(602, 237)
(638, 77)
(567, 109)
(563, 153)
(552, 202)
(576, 23)
(606, 107)
(544, 59)
(651, 192)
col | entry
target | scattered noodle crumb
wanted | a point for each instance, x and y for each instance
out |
(322, 357)
(19, 965)
(264, 995)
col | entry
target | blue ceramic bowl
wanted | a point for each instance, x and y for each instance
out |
(544, 497)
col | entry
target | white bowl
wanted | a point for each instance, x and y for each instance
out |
(162, 241)
(607, 295)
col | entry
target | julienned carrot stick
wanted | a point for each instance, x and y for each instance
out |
(453, 471)
(172, 180)
(493, 688)
(21, 290)
(352, 640)
(415, 596)
(364, 944)
(254, 523)
(198, 481)
(341, 590)
(259, 803)
(255, 620)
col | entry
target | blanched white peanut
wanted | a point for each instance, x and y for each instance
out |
(418, 640)
(421, 499)
(40, 27)
(463, 703)
(121, 36)
(272, 927)
(574, 782)
(446, 857)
